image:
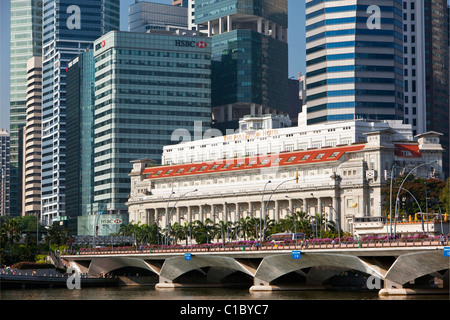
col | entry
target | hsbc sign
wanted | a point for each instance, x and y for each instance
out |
(100, 45)
(192, 44)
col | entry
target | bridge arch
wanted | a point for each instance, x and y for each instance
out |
(109, 264)
(276, 266)
(411, 266)
(175, 267)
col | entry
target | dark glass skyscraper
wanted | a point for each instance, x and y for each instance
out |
(69, 28)
(249, 57)
(80, 136)
(437, 60)
(354, 53)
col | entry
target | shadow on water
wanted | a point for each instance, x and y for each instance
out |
(150, 293)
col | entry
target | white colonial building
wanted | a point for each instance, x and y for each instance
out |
(336, 169)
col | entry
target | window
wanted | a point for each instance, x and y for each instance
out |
(168, 172)
(334, 155)
(305, 157)
(226, 165)
(158, 173)
(291, 159)
(319, 156)
(264, 162)
(180, 170)
(191, 169)
(251, 163)
(214, 167)
(202, 168)
(238, 165)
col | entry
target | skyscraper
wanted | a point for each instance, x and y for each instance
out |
(26, 41)
(80, 136)
(354, 53)
(4, 173)
(144, 16)
(180, 3)
(249, 57)
(150, 90)
(68, 29)
(32, 141)
(414, 65)
(437, 60)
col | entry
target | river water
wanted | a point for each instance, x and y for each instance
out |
(218, 294)
(218, 303)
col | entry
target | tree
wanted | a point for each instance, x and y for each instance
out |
(445, 197)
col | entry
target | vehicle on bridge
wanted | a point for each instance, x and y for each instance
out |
(286, 236)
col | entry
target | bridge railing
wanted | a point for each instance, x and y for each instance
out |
(267, 246)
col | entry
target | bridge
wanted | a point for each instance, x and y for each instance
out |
(393, 268)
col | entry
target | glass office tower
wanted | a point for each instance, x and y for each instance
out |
(80, 137)
(354, 53)
(68, 29)
(26, 42)
(143, 16)
(437, 60)
(150, 88)
(249, 57)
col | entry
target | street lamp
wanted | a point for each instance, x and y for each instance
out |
(390, 199)
(401, 186)
(167, 215)
(339, 223)
(421, 213)
(267, 204)
(260, 212)
(315, 217)
(170, 215)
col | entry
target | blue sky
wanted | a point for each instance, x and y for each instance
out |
(296, 37)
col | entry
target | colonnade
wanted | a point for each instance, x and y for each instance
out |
(232, 210)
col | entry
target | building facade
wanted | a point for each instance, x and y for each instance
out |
(68, 30)
(5, 173)
(32, 140)
(26, 42)
(354, 53)
(437, 68)
(80, 137)
(150, 90)
(144, 16)
(342, 183)
(249, 57)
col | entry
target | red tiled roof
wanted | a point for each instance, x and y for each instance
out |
(256, 162)
(407, 151)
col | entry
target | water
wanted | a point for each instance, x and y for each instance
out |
(211, 303)
(218, 294)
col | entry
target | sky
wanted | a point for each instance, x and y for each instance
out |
(296, 40)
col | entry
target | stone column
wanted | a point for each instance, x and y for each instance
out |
(277, 211)
(229, 23)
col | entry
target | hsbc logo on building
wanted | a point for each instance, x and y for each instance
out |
(100, 45)
(191, 44)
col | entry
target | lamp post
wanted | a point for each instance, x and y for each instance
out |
(261, 211)
(315, 216)
(390, 199)
(170, 215)
(167, 216)
(267, 204)
(421, 213)
(401, 186)
(338, 225)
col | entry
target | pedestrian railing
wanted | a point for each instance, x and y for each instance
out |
(310, 245)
